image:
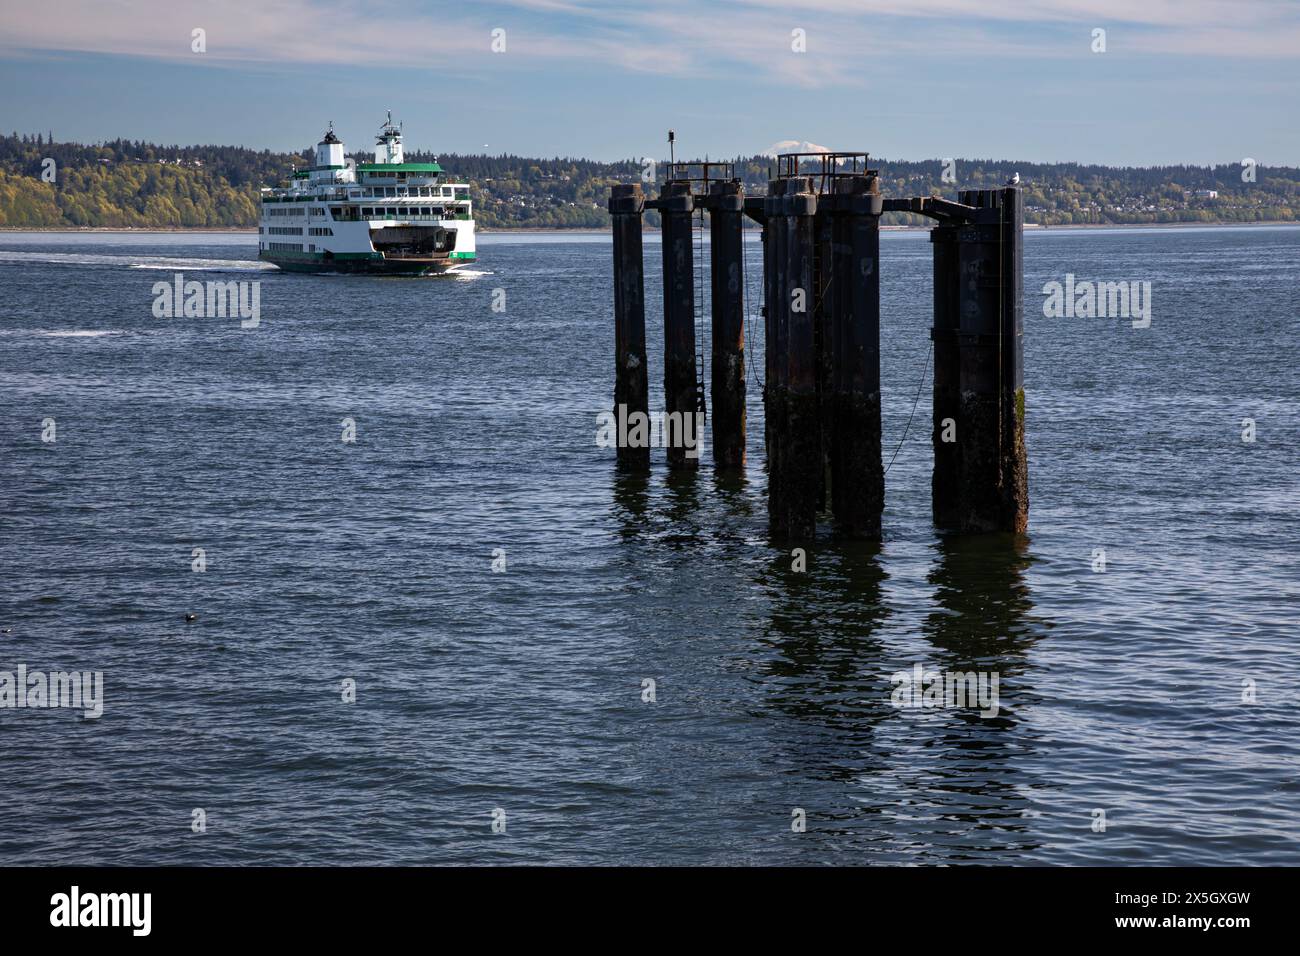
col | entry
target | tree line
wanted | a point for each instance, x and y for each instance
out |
(126, 183)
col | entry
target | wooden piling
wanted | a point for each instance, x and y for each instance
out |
(676, 205)
(631, 387)
(727, 268)
(853, 296)
(993, 487)
(795, 469)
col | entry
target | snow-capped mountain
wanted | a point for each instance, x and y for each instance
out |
(793, 146)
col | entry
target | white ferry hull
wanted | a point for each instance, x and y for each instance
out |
(386, 218)
(325, 263)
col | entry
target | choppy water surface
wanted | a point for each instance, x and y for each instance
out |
(522, 690)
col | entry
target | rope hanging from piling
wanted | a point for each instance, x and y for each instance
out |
(925, 368)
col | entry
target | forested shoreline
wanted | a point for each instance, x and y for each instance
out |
(132, 184)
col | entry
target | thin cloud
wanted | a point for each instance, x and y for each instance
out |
(678, 38)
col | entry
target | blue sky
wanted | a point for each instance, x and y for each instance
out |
(1194, 81)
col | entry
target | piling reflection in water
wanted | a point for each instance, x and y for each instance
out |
(984, 608)
(683, 511)
(826, 663)
(979, 795)
(929, 784)
(631, 488)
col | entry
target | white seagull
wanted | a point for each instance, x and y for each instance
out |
(1014, 180)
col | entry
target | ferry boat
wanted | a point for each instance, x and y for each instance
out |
(389, 216)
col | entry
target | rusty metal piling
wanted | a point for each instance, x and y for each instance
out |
(631, 386)
(726, 204)
(795, 471)
(676, 205)
(945, 482)
(853, 296)
(992, 473)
